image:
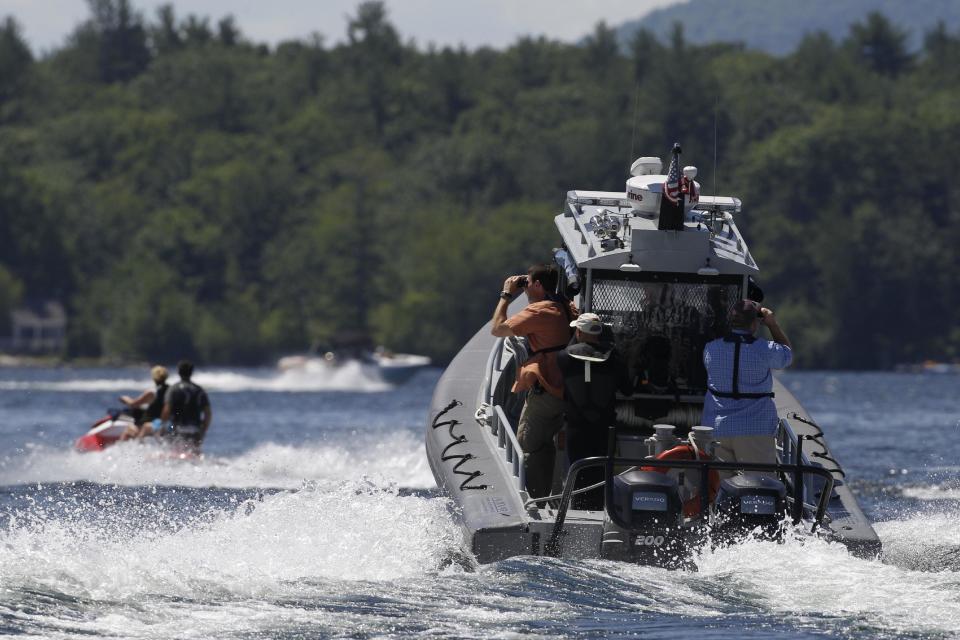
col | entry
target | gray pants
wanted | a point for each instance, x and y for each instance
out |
(540, 420)
(746, 449)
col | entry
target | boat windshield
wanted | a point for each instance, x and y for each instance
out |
(661, 322)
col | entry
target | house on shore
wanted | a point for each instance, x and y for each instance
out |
(37, 328)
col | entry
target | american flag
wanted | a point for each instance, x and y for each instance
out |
(671, 212)
(671, 188)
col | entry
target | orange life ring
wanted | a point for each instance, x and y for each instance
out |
(691, 506)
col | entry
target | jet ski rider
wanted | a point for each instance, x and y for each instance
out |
(186, 410)
(153, 398)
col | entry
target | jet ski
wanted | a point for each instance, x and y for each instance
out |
(105, 432)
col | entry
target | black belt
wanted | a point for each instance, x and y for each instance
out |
(737, 395)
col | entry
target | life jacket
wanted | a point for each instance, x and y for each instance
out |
(187, 402)
(155, 408)
(738, 339)
(592, 401)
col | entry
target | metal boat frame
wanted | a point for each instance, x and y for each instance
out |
(611, 241)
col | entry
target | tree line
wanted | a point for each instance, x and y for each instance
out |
(188, 192)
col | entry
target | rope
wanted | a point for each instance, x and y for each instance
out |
(818, 438)
(836, 469)
(463, 457)
(481, 415)
(693, 445)
(799, 418)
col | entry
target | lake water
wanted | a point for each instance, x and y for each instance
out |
(314, 514)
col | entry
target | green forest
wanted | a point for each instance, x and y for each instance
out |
(186, 192)
(777, 26)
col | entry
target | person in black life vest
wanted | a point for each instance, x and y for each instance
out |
(739, 400)
(593, 371)
(187, 408)
(153, 398)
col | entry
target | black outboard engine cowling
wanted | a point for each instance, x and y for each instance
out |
(749, 503)
(643, 520)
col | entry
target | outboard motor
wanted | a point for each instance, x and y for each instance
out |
(749, 503)
(643, 520)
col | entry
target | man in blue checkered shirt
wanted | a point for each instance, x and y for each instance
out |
(739, 401)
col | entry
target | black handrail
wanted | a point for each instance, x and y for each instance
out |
(798, 484)
(552, 547)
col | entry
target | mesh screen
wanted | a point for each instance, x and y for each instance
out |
(662, 322)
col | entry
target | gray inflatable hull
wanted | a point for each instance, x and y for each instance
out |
(471, 465)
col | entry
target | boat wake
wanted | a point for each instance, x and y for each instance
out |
(928, 541)
(389, 458)
(345, 530)
(809, 579)
(805, 582)
(351, 376)
(316, 559)
(944, 491)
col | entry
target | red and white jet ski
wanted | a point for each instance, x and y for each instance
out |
(107, 431)
(104, 432)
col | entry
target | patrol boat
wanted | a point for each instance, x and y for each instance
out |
(661, 265)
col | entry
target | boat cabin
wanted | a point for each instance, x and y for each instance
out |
(664, 292)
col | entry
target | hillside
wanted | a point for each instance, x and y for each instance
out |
(184, 192)
(778, 26)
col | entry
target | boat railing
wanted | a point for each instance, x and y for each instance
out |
(493, 367)
(787, 441)
(507, 440)
(790, 444)
(500, 425)
(493, 361)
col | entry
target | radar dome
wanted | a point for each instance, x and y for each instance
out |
(646, 166)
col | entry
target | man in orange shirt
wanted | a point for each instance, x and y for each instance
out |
(545, 323)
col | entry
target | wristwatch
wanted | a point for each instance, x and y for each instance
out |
(505, 296)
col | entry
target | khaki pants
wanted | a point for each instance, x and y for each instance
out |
(762, 449)
(540, 420)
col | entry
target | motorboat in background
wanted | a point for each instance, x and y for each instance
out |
(661, 265)
(929, 366)
(380, 363)
(397, 368)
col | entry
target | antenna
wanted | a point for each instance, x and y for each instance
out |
(716, 106)
(636, 108)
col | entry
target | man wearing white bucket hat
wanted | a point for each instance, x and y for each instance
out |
(593, 372)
